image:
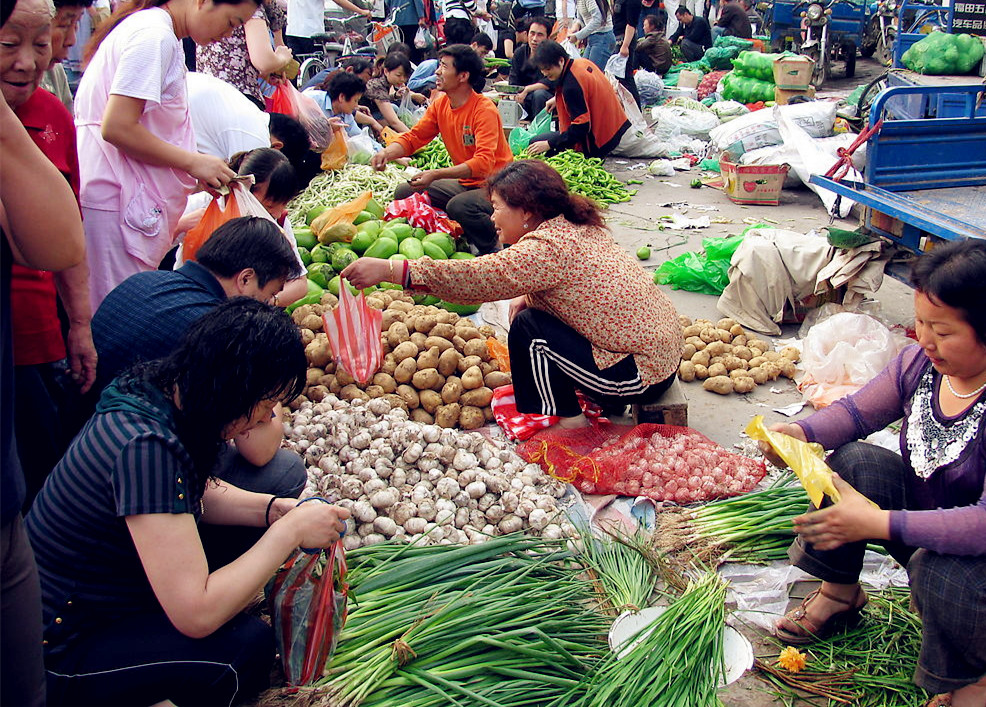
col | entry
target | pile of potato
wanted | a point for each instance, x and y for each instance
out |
(728, 359)
(436, 364)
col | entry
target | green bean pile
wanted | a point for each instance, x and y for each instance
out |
(586, 176)
(342, 185)
(434, 155)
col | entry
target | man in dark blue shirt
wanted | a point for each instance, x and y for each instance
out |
(694, 34)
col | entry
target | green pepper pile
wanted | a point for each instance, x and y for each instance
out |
(586, 176)
(434, 155)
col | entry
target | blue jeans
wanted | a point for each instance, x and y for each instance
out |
(599, 47)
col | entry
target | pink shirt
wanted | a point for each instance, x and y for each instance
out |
(141, 58)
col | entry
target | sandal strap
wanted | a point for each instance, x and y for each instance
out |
(848, 602)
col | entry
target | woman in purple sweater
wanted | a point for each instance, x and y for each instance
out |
(931, 513)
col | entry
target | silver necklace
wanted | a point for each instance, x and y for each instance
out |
(964, 396)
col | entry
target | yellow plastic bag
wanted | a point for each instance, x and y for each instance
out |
(336, 155)
(343, 213)
(388, 135)
(806, 459)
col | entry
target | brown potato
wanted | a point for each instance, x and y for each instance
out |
(419, 339)
(376, 302)
(307, 336)
(472, 378)
(444, 330)
(725, 323)
(375, 391)
(312, 375)
(351, 392)
(298, 315)
(687, 351)
(691, 330)
(719, 384)
(684, 321)
(758, 375)
(495, 379)
(756, 361)
(760, 344)
(788, 369)
(773, 370)
(716, 370)
(405, 370)
(313, 322)
(452, 390)
(409, 395)
(791, 353)
(327, 380)
(397, 334)
(724, 335)
(448, 361)
(405, 350)
(708, 335)
(448, 415)
(318, 353)
(389, 364)
(739, 373)
(401, 306)
(386, 382)
(422, 416)
(342, 375)
(425, 324)
(736, 330)
(744, 384)
(742, 352)
(733, 362)
(428, 378)
(458, 342)
(701, 372)
(773, 356)
(467, 362)
(740, 340)
(430, 400)
(317, 392)
(335, 386)
(471, 418)
(718, 348)
(686, 371)
(442, 344)
(701, 358)
(390, 317)
(478, 397)
(429, 358)
(477, 347)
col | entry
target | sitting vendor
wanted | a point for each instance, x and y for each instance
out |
(590, 116)
(382, 92)
(524, 72)
(930, 504)
(133, 614)
(653, 50)
(471, 128)
(693, 34)
(620, 343)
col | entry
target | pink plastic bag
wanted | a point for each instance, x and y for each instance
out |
(353, 329)
(290, 101)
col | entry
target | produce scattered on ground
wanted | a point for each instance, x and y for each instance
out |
(419, 482)
(586, 176)
(504, 623)
(437, 365)
(756, 527)
(727, 359)
(678, 659)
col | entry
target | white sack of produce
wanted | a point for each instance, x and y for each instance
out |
(759, 128)
(788, 154)
(843, 353)
(691, 123)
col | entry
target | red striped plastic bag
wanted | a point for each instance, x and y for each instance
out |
(353, 329)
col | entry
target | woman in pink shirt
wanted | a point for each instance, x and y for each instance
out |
(136, 144)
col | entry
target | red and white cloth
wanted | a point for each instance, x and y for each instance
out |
(519, 426)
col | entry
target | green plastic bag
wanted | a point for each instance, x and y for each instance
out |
(520, 138)
(722, 248)
(694, 272)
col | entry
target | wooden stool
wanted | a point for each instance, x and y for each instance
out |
(670, 409)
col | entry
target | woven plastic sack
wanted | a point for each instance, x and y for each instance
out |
(308, 598)
(353, 329)
(661, 462)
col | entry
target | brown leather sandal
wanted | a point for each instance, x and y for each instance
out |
(942, 700)
(840, 621)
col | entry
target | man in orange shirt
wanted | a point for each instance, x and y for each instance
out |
(470, 125)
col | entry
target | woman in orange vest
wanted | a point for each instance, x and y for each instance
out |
(590, 116)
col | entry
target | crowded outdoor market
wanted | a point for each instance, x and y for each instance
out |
(503, 353)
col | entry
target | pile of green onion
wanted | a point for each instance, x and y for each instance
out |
(620, 569)
(508, 622)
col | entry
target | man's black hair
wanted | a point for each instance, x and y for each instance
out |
(548, 54)
(523, 24)
(250, 242)
(682, 11)
(73, 3)
(483, 40)
(544, 22)
(293, 137)
(464, 58)
(345, 85)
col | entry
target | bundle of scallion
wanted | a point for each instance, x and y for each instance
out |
(677, 660)
(620, 568)
(755, 527)
(503, 623)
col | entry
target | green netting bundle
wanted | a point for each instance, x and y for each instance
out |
(745, 89)
(756, 65)
(941, 53)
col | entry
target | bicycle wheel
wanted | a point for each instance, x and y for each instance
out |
(309, 68)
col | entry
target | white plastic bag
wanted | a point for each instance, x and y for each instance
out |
(361, 147)
(692, 123)
(617, 66)
(649, 85)
(424, 39)
(759, 128)
(638, 140)
(408, 112)
(571, 49)
(843, 353)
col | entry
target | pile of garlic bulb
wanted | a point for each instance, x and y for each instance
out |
(420, 482)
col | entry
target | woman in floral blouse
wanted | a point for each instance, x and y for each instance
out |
(247, 56)
(584, 314)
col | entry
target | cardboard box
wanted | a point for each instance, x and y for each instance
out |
(782, 97)
(793, 73)
(689, 79)
(752, 184)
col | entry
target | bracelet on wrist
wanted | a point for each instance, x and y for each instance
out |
(270, 504)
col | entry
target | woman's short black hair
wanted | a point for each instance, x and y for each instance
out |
(549, 54)
(954, 274)
(293, 137)
(250, 242)
(271, 167)
(345, 85)
(464, 58)
(229, 361)
(397, 60)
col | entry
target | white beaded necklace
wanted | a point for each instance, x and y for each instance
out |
(964, 396)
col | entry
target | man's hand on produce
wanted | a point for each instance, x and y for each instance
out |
(379, 160)
(82, 357)
(517, 305)
(211, 171)
(549, 105)
(422, 179)
(367, 272)
(852, 519)
(536, 148)
(785, 428)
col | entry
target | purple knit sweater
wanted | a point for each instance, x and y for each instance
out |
(948, 503)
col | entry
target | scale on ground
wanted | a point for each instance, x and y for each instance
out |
(510, 110)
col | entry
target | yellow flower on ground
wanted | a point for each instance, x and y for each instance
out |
(792, 660)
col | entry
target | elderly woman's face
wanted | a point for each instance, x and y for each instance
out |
(947, 339)
(511, 223)
(25, 50)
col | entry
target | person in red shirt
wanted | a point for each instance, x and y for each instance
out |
(591, 118)
(42, 356)
(470, 125)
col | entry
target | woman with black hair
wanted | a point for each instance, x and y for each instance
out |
(132, 613)
(383, 91)
(930, 510)
(584, 313)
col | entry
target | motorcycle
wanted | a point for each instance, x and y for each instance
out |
(828, 38)
(881, 31)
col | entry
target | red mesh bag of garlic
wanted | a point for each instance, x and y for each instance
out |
(662, 462)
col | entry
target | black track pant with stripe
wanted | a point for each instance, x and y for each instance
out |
(549, 360)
